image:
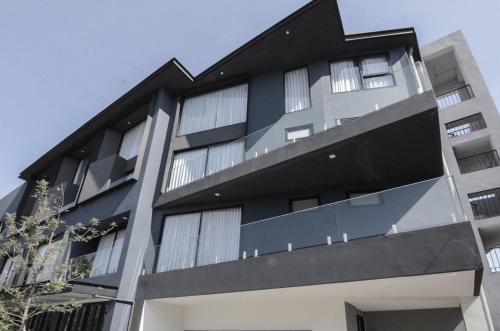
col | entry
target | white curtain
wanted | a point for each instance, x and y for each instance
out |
(232, 106)
(297, 93)
(131, 142)
(374, 65)
(179, 241)
(116, 252)
(219, 236)
(80, 171)
(296, 134)
(378, 71)
(345, 76)
(224, 156)
(187, 167)
(5, 275)
(102, 255)
(214, 109)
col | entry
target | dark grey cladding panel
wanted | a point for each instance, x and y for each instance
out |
(209, 137)
(449, 248)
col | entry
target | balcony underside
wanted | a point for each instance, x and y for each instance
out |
(397, 145)
(445, 249)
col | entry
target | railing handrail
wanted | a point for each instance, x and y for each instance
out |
(493, 151)
(346, 200)
(453, 90)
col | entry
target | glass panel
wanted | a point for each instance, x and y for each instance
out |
(378, 81)
(179, 241)
(297, 95)
(296, 134)
(219, 236)
(131, 142)
(345, 76)
(302, 204)
(224, 156)
(188, 167)
(100, 265)
(116, 252)
(375, 65)
(214, 109)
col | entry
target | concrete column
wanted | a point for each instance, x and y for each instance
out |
(159, 123)
(473, 313)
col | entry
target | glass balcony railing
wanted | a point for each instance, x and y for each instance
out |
(454, 96)
(195, 165)
(99, 263)
(416, 206)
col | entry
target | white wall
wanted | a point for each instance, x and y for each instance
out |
(314, 315)
(158, 316)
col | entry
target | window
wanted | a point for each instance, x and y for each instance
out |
(6, 274)
(364, 199)
(493, 258)
(297, 93)
(198, 239)
(196, 164)
(131, 142)
(47, 272)
(302, 204)
(108, 254)
(80, 172)
(485, 204)
(214, 110)
(365, 73)
(376, 72)
(465, 125)
(298, 133)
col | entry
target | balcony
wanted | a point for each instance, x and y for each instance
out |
(454, 96)
(478, 162)
(287, 149)
(426, 204)
(485, 204)
(465, 125)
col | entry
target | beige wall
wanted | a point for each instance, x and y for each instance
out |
(314, 315)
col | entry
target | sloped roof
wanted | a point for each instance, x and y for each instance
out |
(313, 32)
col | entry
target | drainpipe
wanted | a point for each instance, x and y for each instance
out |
(420, 88)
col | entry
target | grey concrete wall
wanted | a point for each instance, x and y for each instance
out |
(480, 180)
(449, 319)
(266, 104)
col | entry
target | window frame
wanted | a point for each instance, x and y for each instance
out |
(297, 128)
(200, 212)
(364, 193)
(357, 59)
(181, 104)
(311, 197)
(306, 66)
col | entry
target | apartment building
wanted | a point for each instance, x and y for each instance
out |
(346, 185)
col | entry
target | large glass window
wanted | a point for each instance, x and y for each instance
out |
(45, 271)
(6, 274)
(108, 254)
(197, 239)
(214, 110)
(196, 164)
(297, 93)
(131, 142)
(363, 73)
